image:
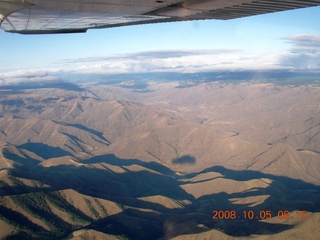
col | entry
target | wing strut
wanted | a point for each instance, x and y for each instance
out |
(10, 6)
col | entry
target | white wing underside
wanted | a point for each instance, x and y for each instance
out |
(67, 16)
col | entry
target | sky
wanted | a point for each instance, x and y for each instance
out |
(283, 40)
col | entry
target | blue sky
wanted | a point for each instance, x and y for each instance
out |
(288, 40)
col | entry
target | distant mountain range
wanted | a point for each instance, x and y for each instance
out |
(140, 81)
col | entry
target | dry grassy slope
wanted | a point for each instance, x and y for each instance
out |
(102, 207)
(27, 103)
(100, 119)
(166, 202)
(169, 140)
(23, 159)
(6, 229)
(259, 112)
(218, 185)
(210, 147)
(4, 162)
(66, 208)
(30, 132)
(92, 234)
(271, 110)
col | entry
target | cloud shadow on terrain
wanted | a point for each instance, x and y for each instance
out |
(126, 181)
(184, 160)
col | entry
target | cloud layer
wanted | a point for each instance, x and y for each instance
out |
(172, 61)
(304, 54)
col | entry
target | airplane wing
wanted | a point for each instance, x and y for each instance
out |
(70, 16)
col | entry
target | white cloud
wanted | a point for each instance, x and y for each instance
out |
(304, 54)
(304, 40)
(21, 76)
(173, 61)
(297, 61)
